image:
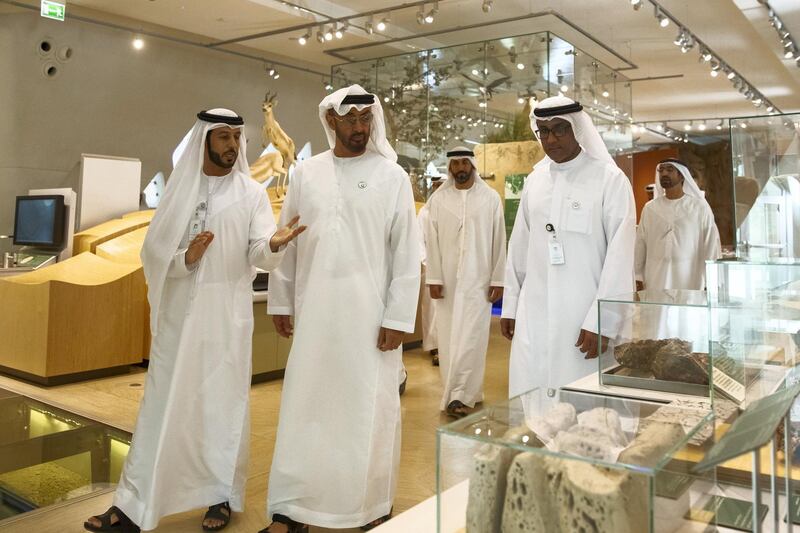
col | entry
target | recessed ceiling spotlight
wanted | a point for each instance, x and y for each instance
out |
(138, 43)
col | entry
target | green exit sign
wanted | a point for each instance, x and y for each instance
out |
(53, 10)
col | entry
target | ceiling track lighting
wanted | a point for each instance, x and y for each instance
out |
(636, 4)
(686, 40)
(421, 15)
(486, 7)
(784, 36)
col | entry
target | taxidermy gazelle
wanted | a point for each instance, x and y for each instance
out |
(273, 133)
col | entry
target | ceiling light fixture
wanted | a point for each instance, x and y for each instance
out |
(421, 15)
(637, 4)
(138, 43)
(487, 6)
(662, 20)
(328, 35)
(369, 26)
(432, 13)
(383, 23)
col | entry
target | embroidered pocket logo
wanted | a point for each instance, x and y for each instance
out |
(362, 185)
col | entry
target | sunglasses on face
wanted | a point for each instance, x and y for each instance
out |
(352, 120)
(558, 131)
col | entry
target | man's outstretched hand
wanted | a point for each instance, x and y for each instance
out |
(286, 234)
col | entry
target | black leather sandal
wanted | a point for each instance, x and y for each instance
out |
(457, 409)
(215, 513)
(293, 527)
(122, 525)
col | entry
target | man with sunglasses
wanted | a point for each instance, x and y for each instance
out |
(347, 292)
(572, 243)
(676, 233)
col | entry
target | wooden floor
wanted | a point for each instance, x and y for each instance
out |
(115, 401)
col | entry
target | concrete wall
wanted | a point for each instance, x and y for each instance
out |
(113, 100)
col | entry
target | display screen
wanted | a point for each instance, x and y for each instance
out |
(39, 221)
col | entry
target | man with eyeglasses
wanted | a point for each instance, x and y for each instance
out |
(572, 243)
(347, 291)
(676, 233)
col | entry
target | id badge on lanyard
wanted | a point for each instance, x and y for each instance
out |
(554, 246)
(198, 223)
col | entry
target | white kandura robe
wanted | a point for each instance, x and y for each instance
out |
(190, 445)
(356, 269)
(466, 252)
(427, 312)
(590, 203)
(674, 240)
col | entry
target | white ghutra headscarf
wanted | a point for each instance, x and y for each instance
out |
(342, 101)
(689, 185)
(175, 208)
(582, 126)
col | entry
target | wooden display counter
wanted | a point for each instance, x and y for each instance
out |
(126, 249)
(88, 240)
(77, 319)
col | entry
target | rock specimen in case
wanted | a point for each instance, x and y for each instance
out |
(487, 488)
(638, 354)
(667, 359)
(673, 363)
(552, 495)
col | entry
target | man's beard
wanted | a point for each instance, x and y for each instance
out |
(216, 158)
(356, 143)
(462, 177)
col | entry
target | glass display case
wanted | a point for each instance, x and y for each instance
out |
(766, 173)
(656, 340)
(48, 455)
(755, 324)
(574, 462)
(478, 94)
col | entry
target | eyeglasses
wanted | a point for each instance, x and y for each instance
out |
(558, 130)
(351, 119)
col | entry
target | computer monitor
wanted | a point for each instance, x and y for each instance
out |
(39, 221)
